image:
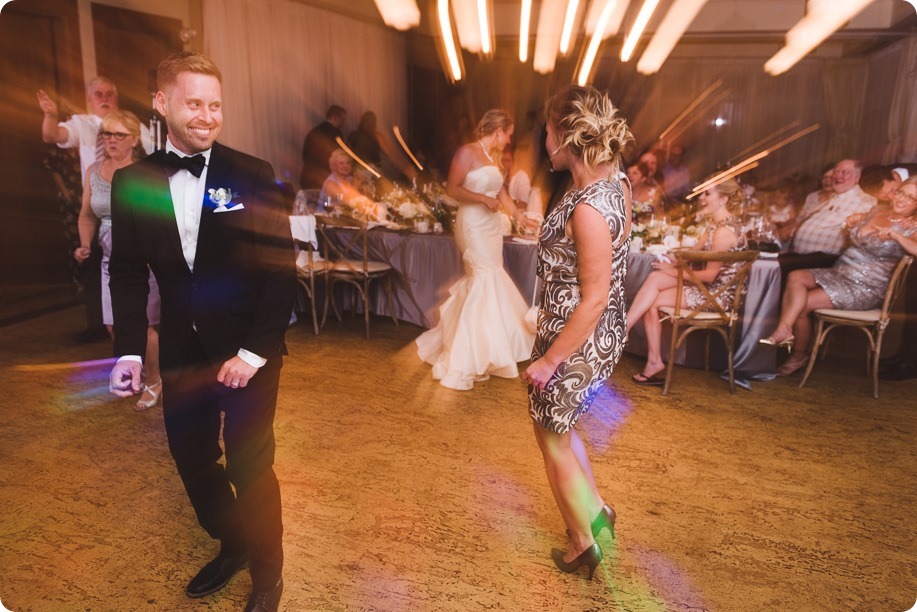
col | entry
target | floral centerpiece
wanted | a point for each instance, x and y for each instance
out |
(406, 207)
(362, 208)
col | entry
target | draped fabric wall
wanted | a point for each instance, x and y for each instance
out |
(902, 117)
(285, 63)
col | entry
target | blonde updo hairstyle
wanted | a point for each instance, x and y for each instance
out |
(587, 123)
(733, 192)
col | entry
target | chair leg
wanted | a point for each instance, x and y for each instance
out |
(671, 364)
(327, 299)
(732, 374)
(820, 333)
(312, 303)
(365, 297)
(875, 363)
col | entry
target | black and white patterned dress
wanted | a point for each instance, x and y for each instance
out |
(577, 380)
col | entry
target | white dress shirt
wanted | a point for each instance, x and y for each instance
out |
(187, 198)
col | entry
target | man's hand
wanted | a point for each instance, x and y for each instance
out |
(236, 373)
(125, 378)
(46, 104)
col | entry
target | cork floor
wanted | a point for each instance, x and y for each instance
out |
(399, 494)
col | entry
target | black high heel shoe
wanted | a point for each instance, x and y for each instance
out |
(590, 557)
(606, 518)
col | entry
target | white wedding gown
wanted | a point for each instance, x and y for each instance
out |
(482, 329)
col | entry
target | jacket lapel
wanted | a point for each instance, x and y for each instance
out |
(162, 201)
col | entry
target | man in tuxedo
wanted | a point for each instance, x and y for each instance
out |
(210, 223)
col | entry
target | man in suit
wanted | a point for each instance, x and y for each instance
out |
(210, 223)
(318, 145)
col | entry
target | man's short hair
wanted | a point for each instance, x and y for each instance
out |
(98, 81)
(335, 111)
(168, 70)
(873, 177)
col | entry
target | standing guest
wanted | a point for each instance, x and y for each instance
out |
(820, 235)
(81, 131)
(211, 223)
(582, 261)
(858, 281)
(676, 175)
(120, 131)
(724, 233)
(482, 330)
(318, 145)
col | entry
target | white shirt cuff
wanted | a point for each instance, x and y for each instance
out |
(130, 358)
(251, 359)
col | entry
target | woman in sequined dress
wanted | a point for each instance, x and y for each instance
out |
(857, 281)
(582, 262)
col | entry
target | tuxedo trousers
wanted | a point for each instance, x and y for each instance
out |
(238, 503)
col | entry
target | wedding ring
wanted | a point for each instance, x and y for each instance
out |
(235, 383)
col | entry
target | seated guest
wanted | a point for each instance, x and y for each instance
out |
(338, 184)
(856, 282)
(782, 214)
(654, 177)
(724, 233)
(880, 182)
(903, 365)
(646, 197)
(517, 182)
(676, 175)
(820, 236)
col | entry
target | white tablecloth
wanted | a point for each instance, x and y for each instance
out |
(303, 228)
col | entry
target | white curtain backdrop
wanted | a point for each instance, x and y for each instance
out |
(285, 63)
(902, 119)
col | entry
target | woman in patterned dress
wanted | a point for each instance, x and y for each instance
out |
(582, 261)
(723, 234)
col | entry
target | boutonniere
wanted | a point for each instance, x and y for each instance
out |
(220, 198)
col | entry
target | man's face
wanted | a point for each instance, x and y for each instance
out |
(193, 108)
(846, 176)
(650, 160)
(337, 120)
(102, 99)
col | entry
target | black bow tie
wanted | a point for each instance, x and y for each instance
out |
(193, 164)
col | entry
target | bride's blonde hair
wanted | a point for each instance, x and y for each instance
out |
(587, 123)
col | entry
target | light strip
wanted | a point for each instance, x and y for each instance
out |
(525, 24)
(822, 20)
(445, 28)
(485, 28)
(356, 157)
(673, 25)
(405, 147)
(702, 111)
(643, 18)
(614, 23)
(691, 107)
(594, 42)
(719, 178)
(567, 32)
(547, 41)
(788, 126)
(753, 158)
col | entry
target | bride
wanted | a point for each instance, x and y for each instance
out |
(481, 330)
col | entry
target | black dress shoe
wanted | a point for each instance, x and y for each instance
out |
(214, 576)
(905, 370)
(265, 601)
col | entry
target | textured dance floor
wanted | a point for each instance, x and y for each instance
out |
(399, 494)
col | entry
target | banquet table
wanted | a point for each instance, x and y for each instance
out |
(426, 265)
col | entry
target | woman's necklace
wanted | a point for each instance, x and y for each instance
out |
(486, 153)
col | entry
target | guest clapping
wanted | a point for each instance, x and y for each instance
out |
(857, 281)
(717, 205)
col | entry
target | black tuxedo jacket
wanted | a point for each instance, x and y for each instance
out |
(240, 294)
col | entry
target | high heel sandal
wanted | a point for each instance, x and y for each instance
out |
(590, 557)
(143, 405)
(606, 518)
(786, 343)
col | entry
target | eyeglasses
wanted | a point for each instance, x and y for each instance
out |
(119, 136)
(901, 194)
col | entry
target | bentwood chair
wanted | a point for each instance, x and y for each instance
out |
(346, 248)
(872, 322)
(308, 269)
(709, 315)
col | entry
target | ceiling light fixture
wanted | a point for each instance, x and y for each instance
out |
(567, 32)
(525, 22)
(594, 42)
(399, 14)
(448, 42)
(669, 32)
(636, 30)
